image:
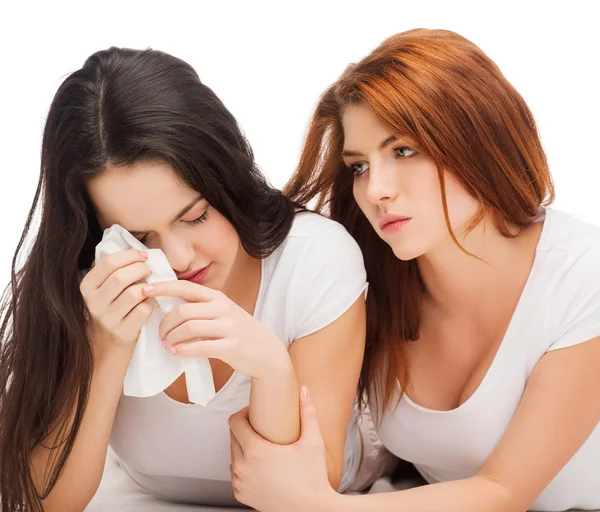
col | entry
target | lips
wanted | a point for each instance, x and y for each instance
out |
(191, 275)
(389, 220)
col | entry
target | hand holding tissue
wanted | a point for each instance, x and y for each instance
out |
(152, 369)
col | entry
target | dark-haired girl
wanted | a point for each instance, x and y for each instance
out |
(275, 296)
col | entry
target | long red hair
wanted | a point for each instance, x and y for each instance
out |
(440, 90)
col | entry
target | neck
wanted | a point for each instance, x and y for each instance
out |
(460, 283)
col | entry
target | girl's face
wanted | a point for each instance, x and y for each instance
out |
(152, 203)
(398, 189)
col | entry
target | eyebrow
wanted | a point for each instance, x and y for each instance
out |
(180, 214)
(387, 141)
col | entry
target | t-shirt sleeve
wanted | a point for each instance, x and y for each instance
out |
(329, 277)
(578, 301)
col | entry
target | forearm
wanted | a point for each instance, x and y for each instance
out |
(82, 473)
(274, 402)
(274, 412)
(477, 494)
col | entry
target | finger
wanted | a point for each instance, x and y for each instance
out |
(240, 427)
(214, 349)
(109, 264)
(183, 289)
(120, 280)
(127, 301)
(194, 330)
(310, 428)
(187, 312)
(134, 321)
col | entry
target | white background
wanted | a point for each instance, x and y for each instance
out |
(269, 61)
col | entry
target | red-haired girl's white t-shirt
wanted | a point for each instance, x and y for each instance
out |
(559, 307)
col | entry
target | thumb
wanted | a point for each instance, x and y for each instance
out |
(311, 430)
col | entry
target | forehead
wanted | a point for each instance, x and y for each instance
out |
(138, 196)
(364, 131)
(360, 124)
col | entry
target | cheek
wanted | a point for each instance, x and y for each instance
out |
(462, 207)
(425, 198)
(359, 193)
(220, 237)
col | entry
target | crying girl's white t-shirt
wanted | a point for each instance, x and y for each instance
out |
(181, 452)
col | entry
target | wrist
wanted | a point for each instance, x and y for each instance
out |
(277, 363)
(109, 352)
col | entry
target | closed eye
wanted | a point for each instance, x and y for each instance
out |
(194, 222)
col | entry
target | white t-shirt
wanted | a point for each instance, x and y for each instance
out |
(181, 452)
(559, 308)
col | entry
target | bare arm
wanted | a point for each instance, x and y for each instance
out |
(273, 409)
(81, 476)
(328, 362)
(529, 455)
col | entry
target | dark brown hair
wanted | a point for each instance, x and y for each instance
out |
(440, 90)
(122, 107)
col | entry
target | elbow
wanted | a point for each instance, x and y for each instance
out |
(335, 479)
(335, 471)
(503, 499)
(67, 503)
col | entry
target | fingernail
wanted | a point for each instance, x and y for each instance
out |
(144, 254)
(305, 394)
(148, 289)
(173, 350)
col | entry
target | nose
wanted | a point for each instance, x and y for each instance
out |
(179, 252)
(380, 185)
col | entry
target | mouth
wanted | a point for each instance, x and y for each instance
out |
(391, 223)
(197, 276)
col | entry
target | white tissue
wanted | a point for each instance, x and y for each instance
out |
(152, 369)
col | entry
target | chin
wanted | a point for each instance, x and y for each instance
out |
(405, 253)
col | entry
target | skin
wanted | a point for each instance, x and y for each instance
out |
(146, 200)
(465, 315)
